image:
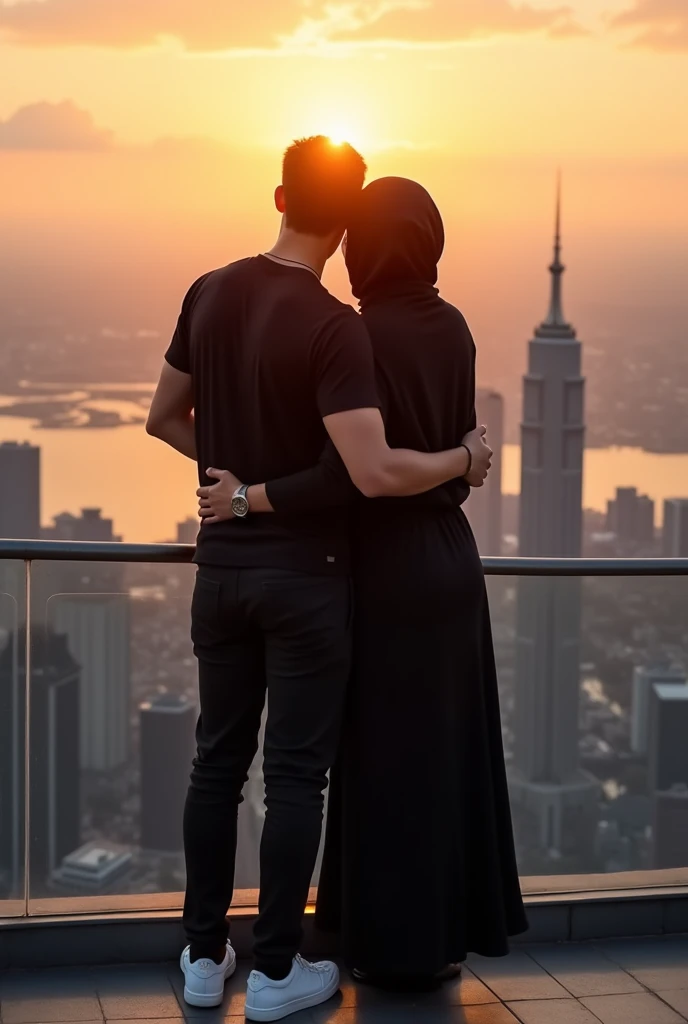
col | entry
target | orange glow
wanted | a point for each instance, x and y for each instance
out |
(178, 145)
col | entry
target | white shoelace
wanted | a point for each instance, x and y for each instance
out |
(307, 965)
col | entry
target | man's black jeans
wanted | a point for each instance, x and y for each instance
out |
(287, 634)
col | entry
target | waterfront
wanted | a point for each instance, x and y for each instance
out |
(147, 488)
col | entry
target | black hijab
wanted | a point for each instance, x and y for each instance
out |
(394, 241)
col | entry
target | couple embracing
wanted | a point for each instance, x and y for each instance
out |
(339, 579)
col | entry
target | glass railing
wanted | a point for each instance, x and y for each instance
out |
(98, 711)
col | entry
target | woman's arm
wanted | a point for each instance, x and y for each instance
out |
(329, 483)
(324, 485)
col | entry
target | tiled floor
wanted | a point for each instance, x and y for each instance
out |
(624, 982)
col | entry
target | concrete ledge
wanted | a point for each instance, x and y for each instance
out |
(153, 937)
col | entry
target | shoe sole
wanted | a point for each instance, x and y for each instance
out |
(206, 1000)
(304, 1003)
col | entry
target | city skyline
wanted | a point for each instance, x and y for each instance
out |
(162, 180)
(139, 148)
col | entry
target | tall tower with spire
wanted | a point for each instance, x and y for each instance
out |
(546, 779)
(553, 429)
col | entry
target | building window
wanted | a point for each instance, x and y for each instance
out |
(532, 448)
(533, 400)
(573, 402)
(573, 450)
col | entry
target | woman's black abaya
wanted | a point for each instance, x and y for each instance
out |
(419, 862)
(419, 865)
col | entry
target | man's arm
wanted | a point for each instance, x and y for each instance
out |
(171, 413)
(348, 401)
(380, 471)
(387, 472)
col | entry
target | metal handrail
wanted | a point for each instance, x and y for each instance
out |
(30, 551)
(99, 551)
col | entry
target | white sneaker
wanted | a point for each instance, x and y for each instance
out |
(306, 985)
(204, 979)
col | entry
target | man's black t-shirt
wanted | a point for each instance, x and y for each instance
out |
(270, 353)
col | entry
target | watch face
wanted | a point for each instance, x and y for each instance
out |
(239, 506)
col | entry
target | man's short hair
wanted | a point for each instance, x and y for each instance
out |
(321, 180)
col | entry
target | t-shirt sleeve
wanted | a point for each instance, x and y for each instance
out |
(178, 354)
(343, 366)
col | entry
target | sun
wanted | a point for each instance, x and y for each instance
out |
(338, 124)
(340, 132)
(339, 135)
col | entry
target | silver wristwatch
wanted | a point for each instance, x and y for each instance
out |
(240, 505)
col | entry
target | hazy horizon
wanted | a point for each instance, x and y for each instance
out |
(139, 150)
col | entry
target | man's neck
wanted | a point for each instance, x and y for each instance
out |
(309, 250)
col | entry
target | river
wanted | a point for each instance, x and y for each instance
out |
(146, 488)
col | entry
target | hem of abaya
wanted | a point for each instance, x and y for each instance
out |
(491, 950)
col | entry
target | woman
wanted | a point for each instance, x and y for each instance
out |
(419, 810)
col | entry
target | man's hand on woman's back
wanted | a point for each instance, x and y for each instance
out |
(215, 500)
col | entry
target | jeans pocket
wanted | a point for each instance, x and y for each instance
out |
(205, 611)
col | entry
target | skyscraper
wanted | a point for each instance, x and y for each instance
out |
(675, 529)
(644, 679)
(167, 749)
(12, 697)
(670, 827)
(484, 507)
(97, 630)
(546, 780)
(54, 775)
(20, 479)
(631, 517)
(668, 773)
(87, 602)
(668, 746)
(90, 525)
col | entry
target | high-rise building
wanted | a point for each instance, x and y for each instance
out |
(644, 679)
(668, 773)
(668, 743)
(90, 525)
(675, 528)
(168, 726)
(81, 577)
(187, 532)
(88, 603)
(54, 774)
(670, 828)
(484, 507)
(12, 699)
(631, 518)
(547, 782)
(97, 631)
(20, 479)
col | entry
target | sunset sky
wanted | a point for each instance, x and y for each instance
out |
(140, 140)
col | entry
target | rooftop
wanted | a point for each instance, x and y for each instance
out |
(633, 981)
(90, 925)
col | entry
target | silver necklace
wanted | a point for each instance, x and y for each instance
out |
(295, 263)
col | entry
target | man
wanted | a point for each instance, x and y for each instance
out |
(264, 364)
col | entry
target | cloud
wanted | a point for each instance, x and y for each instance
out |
(198, 25)
(216, 25)
(444, 21)
(56, 126)
(658, 24)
